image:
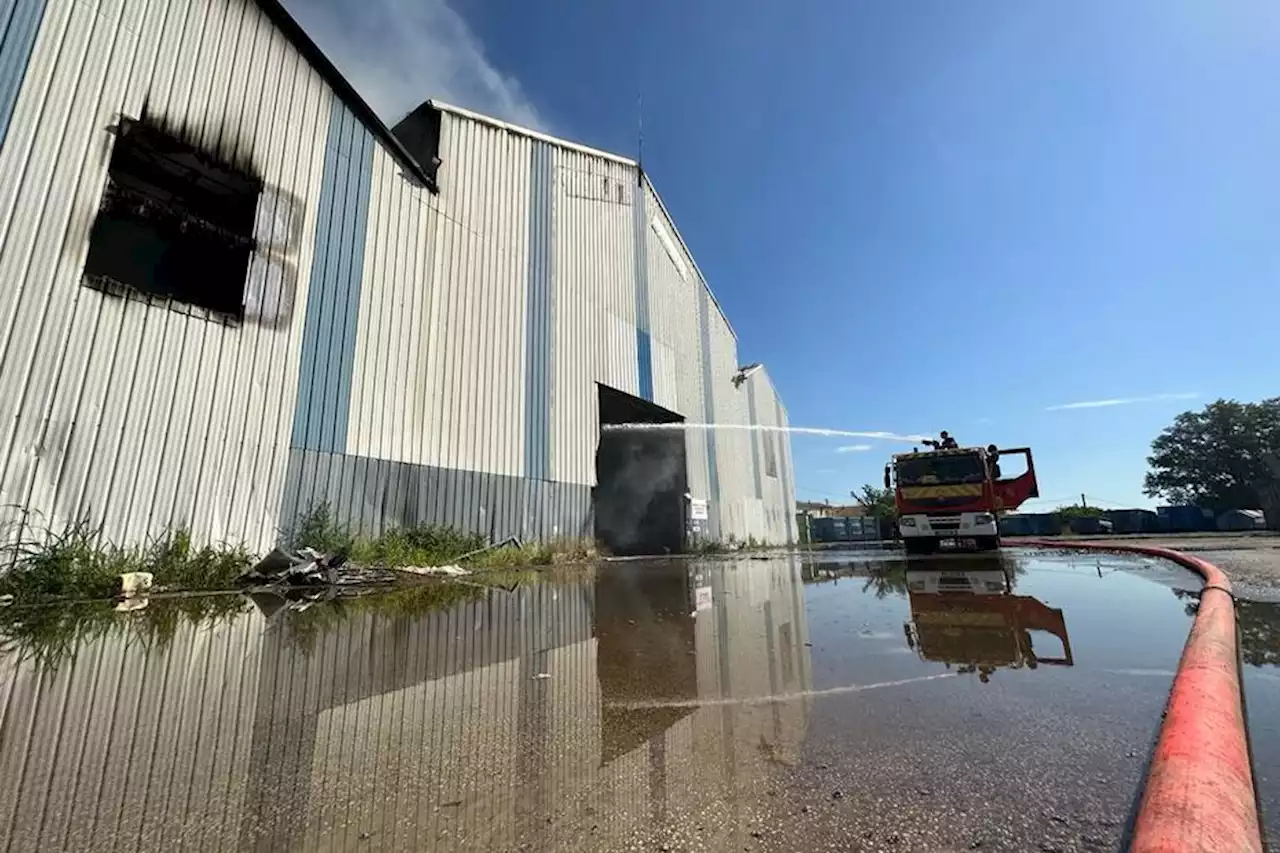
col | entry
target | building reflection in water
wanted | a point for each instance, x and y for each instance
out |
(555, 716)
(965, 613)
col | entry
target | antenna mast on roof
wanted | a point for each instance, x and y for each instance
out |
(639, 136)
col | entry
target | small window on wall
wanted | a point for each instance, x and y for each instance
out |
(770, 454)
(174, 224)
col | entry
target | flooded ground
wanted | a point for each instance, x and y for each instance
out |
(837, 702)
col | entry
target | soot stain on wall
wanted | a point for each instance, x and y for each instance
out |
(256, 282)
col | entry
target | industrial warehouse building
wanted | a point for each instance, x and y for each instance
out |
(229, 294)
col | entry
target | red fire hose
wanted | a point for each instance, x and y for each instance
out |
(1199, 794)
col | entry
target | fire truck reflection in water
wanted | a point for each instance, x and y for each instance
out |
(971, 619)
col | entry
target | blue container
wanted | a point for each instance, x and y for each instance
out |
(1090, 526)
(1186, 519)
(822, 529)
(1044, 523)
(1133, 520)
(1015, 525)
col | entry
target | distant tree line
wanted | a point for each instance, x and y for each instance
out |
(1222, 457)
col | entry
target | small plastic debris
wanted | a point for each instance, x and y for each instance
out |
(130, 604)
(136, 583)
(541, 676)
(6, 600)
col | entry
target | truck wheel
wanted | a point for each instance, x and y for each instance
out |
(988, 543)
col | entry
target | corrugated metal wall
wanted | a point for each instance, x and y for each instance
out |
(133, 742)
(130, 414)
(332, 729)
(406, 356)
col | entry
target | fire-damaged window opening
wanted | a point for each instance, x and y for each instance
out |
(770, 454)
(174, 224)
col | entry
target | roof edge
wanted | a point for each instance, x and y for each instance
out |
(462, 112)
(520, 130)
(311, 52)
(688, 253)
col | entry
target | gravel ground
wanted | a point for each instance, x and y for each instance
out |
(1251, 560)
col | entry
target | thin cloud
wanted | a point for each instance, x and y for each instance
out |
(1121, 401)
(399, 53)
(853, 448)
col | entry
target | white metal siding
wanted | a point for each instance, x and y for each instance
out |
(673, 300)
(778, 492)
(477, 320)
(595, 301)
(138, 416)
(142, 418)
(439, 376)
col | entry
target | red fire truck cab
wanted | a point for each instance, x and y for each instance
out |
(956, 495)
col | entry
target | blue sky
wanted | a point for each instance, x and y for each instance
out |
(919, 215)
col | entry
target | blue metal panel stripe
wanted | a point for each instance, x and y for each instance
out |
(708, 395)
(315, 288)
(644, 354)
(755, 438)
(538, 311)
(347, 206)
(363, 187)
(643, 331)
(333, 295)
(19, 26)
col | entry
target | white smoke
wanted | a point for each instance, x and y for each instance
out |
(399, 53)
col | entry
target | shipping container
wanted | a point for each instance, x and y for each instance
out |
(1242, 519)
(1090, 525)
(1186, 519)
(1015, 525)
(1133, 520)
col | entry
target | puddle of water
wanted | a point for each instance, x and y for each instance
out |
(720, 705)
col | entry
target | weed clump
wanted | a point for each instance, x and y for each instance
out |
(77, 562)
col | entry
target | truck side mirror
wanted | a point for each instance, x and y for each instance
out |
(886, 477)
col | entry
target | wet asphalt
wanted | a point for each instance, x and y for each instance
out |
(844, 701)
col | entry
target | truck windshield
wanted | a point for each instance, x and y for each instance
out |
(964, 468)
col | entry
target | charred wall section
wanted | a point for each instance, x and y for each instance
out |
(641, 477)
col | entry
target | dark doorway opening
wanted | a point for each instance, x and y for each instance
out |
(641, 478)
(645, 631)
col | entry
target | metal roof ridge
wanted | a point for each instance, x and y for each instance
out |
(529, 132)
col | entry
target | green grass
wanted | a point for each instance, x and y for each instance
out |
(430, 545)
(50, 634)
(77, 562)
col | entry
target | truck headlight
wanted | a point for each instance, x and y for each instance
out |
(907, 522)
(983, 518)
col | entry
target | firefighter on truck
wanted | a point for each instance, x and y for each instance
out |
(953, 493)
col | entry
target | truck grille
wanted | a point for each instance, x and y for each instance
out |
(951, 522)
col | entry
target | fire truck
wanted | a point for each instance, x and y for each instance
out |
(956, 494)
(973, 621)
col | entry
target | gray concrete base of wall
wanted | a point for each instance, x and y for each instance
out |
(372, 495)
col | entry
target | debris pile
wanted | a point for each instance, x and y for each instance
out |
(309, 567)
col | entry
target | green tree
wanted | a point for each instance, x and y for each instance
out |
(1216, 457)
(877, 501)
(1076, 511)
